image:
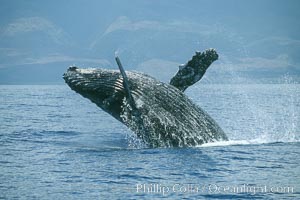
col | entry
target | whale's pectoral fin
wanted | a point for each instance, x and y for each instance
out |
(135, 111)
(126, 84)
(191, 72)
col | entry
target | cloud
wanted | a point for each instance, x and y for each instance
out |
(281, 41)
(162, 70)
(35, 24)
(11, 52)
(64, 58)
(126, 24)
(56, 59)
(256, 63)
(278, 62)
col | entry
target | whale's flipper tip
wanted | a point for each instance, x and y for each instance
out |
(191, 72)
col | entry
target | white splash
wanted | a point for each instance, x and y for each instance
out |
(234, 142)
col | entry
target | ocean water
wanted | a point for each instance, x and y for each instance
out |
(54, 144)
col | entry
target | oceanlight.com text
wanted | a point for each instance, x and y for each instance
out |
(252, 189)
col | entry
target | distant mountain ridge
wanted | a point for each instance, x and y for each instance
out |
(38, 43)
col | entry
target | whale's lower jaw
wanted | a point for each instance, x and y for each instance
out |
(168, 118)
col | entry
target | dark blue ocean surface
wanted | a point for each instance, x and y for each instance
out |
(54, 144)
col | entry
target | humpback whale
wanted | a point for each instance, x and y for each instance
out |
(160, 114)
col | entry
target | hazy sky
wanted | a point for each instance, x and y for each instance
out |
(257, 40)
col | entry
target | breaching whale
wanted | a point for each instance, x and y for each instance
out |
(160, 114)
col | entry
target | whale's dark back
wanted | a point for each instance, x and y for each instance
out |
(168, 116)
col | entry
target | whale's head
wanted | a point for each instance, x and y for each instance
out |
(102, 86)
